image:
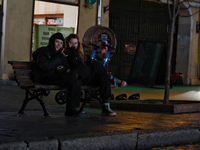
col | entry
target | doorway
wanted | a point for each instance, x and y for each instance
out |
(51, 17)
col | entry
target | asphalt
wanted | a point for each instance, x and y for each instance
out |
(129, 130)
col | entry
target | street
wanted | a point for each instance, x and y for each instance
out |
(128, 130)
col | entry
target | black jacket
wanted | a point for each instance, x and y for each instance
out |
(47, 64)
(88, 70)
(49, 61)
(73, 59)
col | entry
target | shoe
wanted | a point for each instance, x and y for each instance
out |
(135, 97)
(123, 83)
(119, 83)
(71, 111)
(106, 111)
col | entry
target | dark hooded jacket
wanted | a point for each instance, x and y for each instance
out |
(48, 61)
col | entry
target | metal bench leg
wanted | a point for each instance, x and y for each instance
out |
(87, 98)
(46, 113)
(34, 95)
(83, 105)
(21, 111)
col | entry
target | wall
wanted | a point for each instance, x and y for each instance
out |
(194, 69)
(16, 38)
(105, 16)
(88, 17)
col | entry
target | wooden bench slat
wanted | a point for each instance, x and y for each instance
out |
(56, 87)
(21, 67)
(26, 85)
(89, 88)
(20, 63)
(22, 72)
(25, 82)
(22, 76)
(50, 87)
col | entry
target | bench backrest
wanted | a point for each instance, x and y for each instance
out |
(22, 71)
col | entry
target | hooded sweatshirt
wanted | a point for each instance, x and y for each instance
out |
(49, 61)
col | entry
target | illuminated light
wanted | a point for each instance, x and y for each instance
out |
(191, 95)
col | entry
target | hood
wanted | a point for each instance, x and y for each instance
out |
(52, 42)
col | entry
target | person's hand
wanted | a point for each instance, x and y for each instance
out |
(68, 70)
(73, 51)
(63, 52)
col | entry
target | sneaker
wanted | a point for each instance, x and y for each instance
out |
(71, 111)
(123, 83)
(106, 111)
(120, 83)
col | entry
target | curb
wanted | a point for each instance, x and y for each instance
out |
(184, 107)
(120, 141)
(136, 140)
(159, 139)
(34, 145)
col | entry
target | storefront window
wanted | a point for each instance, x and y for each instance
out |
(75, 2)
(50, 17)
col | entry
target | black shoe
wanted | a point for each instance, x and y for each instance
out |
(107, 111)
(71, 111)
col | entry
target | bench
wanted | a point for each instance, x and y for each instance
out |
(22, 71)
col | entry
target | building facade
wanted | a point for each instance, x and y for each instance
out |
(121, 17)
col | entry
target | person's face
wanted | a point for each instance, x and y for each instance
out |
(58, 44)
(73, 43)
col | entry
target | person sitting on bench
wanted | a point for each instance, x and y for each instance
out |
(51, 68)
(98, 75)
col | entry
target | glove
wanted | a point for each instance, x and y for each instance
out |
(73, 52)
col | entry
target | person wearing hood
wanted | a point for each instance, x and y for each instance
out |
(51, 67)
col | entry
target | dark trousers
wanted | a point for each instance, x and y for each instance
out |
(74, 90)
(74, 94)
(102, 81)
(99, 77)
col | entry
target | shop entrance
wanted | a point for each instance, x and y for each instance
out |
(51, 16)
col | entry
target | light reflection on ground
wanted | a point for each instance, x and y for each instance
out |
(176, 93)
